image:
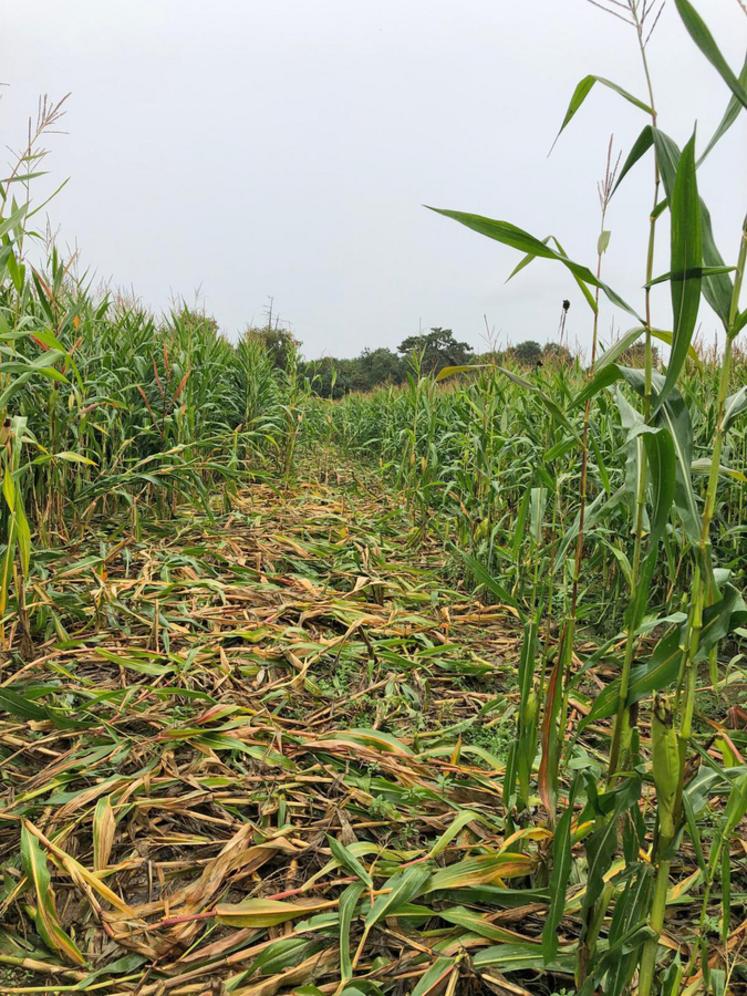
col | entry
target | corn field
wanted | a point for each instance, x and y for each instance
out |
(434, 689)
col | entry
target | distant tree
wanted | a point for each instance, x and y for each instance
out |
(635, 355)
(527, 353)
(438, 348)
(280, 343)
(378, 366)
(556, 353)
(332, 378)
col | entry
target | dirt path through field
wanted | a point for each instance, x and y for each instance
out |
(285, 702)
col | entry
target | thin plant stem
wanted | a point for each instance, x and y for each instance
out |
(702, 589)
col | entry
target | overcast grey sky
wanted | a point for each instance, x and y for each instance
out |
(243, 149)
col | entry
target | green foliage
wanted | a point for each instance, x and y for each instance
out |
(435, 349)
(279, 343)
(334, 378)
(528, 353)
(599, 511)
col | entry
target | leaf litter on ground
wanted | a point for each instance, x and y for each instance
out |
(258, 756)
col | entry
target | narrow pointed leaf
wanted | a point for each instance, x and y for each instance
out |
(561, 871)
(517, 238)
(735, 404)
(582, 91)
(402, 887)
(348, 903)
(705, 41)
(47, 921)
(348, 860)
(730, 115)
(686, 255)
(640, 147)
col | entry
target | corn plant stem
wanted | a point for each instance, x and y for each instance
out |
(568, 636)
(622, 732)
(656, 922)
(701, 590)
(582, 491)
(638, 23)
(702, 933)
(623, 725)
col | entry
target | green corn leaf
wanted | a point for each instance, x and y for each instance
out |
(640, 147)
(675, 416)
(520, 957)
(671, 982)
(726, 890)
(6, 255)
(693, 831)
(686, 255)
(736, 807)
(662, 667)
(517, 238)
(348, 903)
(582, 91)
(264, 912)
(402, 887)
(660, 454)
(348, 860)
(120, 966)
(602, 505)
(721, 618)
(23, 533)
(703, 38)
(625, 341)
(13, 220)
(485, 579)
(734, 406)
(717, 287)
(660, 670)
(613, 968)
(20, 705)
(562, 861)
(717, 982)
(26, 708)
(47, 921)
(457, 825)
(279, 955)
(70, 457)
(526, 260)
(730, 115)
(696, 271)
(672, 415)
(432, 980)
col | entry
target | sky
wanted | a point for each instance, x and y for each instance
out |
(232, 152)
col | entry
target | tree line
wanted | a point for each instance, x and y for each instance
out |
(427, 352)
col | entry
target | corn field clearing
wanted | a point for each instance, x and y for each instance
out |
(434, 689)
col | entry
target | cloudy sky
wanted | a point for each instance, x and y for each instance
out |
(245, 148)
